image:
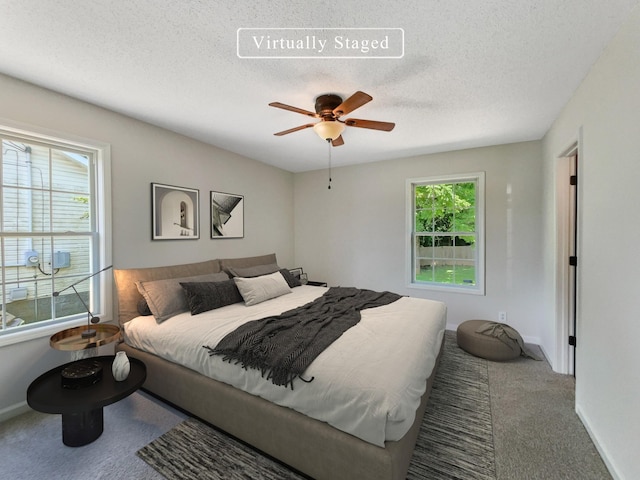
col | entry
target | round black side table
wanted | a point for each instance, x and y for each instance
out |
(82, 408)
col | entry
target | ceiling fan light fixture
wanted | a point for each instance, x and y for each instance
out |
(329, 130)
(329, 109)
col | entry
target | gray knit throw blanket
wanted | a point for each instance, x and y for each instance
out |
(283, 346)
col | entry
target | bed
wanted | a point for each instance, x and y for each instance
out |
(355, 437)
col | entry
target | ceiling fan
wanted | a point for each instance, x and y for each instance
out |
(330, 108)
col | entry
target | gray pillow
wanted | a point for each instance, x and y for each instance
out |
(166, 297)
(258, 289)
(205, 296)
(256, 271)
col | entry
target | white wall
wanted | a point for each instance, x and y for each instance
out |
(142, 154)
(356, 234)
(606, 108)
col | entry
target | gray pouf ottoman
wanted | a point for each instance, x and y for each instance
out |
(484, 346)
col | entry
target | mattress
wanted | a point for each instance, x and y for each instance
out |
(368, 383)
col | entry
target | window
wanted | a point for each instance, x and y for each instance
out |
(446, 238)
(54, 231)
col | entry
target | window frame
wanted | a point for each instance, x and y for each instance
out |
(479, 179)
(101, 253)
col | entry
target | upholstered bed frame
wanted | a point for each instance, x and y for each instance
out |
(308, 445)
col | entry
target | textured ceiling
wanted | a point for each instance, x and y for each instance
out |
(473, 73)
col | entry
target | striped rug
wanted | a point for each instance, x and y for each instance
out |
(455, 440)
(456, 437)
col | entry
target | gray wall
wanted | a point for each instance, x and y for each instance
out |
(356, 233)
(605, 109)
(141, 154)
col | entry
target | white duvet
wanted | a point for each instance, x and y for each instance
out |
(367, 383)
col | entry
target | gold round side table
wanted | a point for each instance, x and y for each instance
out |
(72, 339)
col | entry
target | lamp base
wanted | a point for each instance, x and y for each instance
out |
(89, 333)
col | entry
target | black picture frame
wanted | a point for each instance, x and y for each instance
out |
(227, 215)
(296, 272)
(175, 212)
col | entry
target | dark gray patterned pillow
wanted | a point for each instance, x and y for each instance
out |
(291, 280)
(205, 296)
(143, 308)
(165, 297)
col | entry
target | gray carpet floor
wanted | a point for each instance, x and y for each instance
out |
(537, 434)
(31, 445)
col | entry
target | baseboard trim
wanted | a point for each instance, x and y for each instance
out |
(13, 411)
(547, 357)
(601, 450)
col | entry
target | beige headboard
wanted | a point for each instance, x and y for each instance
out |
(125, 279)
(245, 262)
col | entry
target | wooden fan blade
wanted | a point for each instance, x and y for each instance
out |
(338, 141)
(293, 109)
(372, 124)
(291, 130)
(350, 104)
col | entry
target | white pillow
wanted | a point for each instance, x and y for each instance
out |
(258, 289)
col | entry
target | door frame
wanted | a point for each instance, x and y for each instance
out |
(567, 233)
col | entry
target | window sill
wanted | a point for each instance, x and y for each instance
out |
(35, 333)
(447, 288)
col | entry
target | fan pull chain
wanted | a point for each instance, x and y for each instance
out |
(329, 145)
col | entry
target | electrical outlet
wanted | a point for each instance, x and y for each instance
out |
(502, 317)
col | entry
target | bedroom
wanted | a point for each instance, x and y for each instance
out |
(331, 246)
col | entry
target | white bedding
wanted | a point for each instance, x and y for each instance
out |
(367, 383)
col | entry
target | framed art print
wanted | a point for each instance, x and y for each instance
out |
(175, 212)
(296, 272)
(299, 274)
(227, 215)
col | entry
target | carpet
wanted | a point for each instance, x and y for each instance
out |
(455, 439)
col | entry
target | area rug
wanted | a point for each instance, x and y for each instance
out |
(456, 436)
(455, 439)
